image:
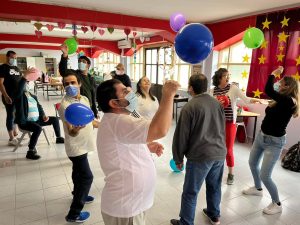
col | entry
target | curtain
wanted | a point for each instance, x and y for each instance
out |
(280, 48)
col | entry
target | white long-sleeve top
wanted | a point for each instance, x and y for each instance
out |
(234, 94)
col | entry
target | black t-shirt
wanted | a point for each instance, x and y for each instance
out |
(12, 76)
(123, 78)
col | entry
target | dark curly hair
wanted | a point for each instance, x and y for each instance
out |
(218, 76)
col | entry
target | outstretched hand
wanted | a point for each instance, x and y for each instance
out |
(156, 148)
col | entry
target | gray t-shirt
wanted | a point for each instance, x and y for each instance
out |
(200, 132)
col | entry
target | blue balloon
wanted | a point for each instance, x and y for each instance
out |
(173, 166)
(193, 43)
(78, 114)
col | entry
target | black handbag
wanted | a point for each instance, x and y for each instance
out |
(291, 160)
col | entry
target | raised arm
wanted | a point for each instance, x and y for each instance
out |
(269, 88)
(162, 120)
(63, 64)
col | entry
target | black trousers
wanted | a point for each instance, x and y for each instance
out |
(36, 129)
(82, 179)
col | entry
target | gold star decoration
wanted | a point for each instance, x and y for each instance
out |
(280, 57)
(262, 59)
(244, 74)
(284, 22)
(282, 36)
(246, 58)
(298, 60)
(277, 75)
(298, 40)
(264, 44)
(257, 93)
(281, 48)
(266, 24)
(296, 76)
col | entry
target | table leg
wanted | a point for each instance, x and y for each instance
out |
(48, 92)
(254, 129)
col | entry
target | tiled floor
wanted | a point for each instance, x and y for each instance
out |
(39, 192)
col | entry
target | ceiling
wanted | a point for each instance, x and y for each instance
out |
(194, 10)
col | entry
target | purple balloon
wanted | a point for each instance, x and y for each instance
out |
(177, 21)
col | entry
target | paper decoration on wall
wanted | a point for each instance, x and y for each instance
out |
(101, 32)
(74, 27)
(296, 76)
(262, 59)
(266, 24)
(244, 74)
(38, 33)
(257, 93)
(84, 29)
(127, 31)
(93, 28)
(134, 34)
(282, 37)
(298, 60)
(110, 30)
(280, 57)
(246, 58)
(284, 22)
(38, 25)
(142, 39)
(50, 27)
(61, 25)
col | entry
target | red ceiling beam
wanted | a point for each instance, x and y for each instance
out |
(54, 13)
(29, 46)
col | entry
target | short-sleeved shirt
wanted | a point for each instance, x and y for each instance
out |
(12, 76)
(85, 141)
(147, 107)
(127, 164)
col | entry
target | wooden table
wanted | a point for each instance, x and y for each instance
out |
(175, 104)
(249, 115)
(52, 87)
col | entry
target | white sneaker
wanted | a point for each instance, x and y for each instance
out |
(13, 142)
(273, 208)
(252, 191)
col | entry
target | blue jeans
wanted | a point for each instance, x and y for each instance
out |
(196, 173)
(268, 147)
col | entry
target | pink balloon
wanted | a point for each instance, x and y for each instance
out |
(34, 75)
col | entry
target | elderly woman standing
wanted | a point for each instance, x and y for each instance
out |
(231, 92)
(147, 103)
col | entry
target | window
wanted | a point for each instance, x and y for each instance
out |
(236, 59)
(136, 65)
(158, 66)
(106, 62)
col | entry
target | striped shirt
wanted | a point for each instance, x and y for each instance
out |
(228, 110)
(33, 111)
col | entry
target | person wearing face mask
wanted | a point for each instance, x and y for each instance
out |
(147, 103)
(79, 140)
(88, 83)
(271, 139)
(120, 75)
(30, 116)
(124, 145)
(228, 94)
(10, 75)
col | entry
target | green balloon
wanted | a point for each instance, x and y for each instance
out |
(72, 45)
(253, 38)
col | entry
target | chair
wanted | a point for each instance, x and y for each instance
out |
(24, 132)
(241, 123)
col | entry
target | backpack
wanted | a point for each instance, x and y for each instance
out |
(291, 160)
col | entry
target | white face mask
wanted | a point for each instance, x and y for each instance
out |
(27, 87)
(82, 66)
(120, 72)
(12, 61)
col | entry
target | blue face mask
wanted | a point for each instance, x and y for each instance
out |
(71, 91)
(81, 66)
(276, 86)
(12, 62)
(133, 101)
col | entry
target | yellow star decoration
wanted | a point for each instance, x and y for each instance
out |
(257, 93)
(298, 40)
(266, 24)
(296, 76)
(244, 74)
(281, 48)
(246, 58)
(284, 22)
(262, 59)
(264, 44)
(280, 57)
(277, 75)
(282, 36)
(298, 60)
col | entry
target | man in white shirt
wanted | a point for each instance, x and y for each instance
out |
(79, 141)
(124, 145)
